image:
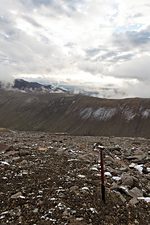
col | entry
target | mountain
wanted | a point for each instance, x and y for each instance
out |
(74, 114)
(27, 86)
(62, 87)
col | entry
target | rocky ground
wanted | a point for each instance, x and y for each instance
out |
(55, 179)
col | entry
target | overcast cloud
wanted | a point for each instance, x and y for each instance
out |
(94, 43)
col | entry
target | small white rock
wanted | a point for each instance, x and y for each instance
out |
(81, 176)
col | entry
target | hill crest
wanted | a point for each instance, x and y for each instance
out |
(75, 114)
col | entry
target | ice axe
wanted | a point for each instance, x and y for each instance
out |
(100, 147)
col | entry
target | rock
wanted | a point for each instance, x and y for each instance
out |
(122, 190)
(3, 130)
(4, 147)
(146, 199)
(77, 221)
(74, 188)
(109, 159)
(116, 148)
(15, 158)
(132, 165)
(131, 158)
(139, 168)
(124, 169)
(81, 176)
(20, 219)
(17, 195)
(79, 218)
(25, 172)
(137, 156)
(114, 172)
(145, 170)
(85, 190)
(136, 221)
(148, 186)
(114, 186)
(5, 163)
(23, 152)
(40, 203)
(11, 153)
(121, 197)
(129, 181)
(108, 174)
(133, 201)
(42, 149)
(66, 213)
(116, 178)
(23, 162)
(135, 192)
(36, 210)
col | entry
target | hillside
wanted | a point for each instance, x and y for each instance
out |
(74, 114)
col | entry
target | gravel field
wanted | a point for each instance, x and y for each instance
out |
(55, 179)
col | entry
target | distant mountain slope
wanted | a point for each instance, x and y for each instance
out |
(27, 86)
(74, 114)
(23, 84)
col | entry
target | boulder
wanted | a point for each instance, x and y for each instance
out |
(135, 192)
(129, 181)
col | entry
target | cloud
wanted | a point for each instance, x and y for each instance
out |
(106, 43)
(135, 38)
(135, 68)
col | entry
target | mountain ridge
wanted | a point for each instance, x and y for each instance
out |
(74, 114)
(24, 85)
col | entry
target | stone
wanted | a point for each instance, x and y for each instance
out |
(133, 201)
(23, 162)
(132, 165)
(74, 188)
(122, 198)
(4, 147)
(79, 218)
(124, 169)
(136, 221)
(36, 210)
(66, 213)
(114, 186)
(129, 181)
(20, 219)
(135, 192)
(17, 195)
(23, 152)
(121, 189)
(145, 170)
(42, 149)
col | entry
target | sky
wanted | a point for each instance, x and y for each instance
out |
(95, 44)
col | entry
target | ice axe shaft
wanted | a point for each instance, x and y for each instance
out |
(102, 175)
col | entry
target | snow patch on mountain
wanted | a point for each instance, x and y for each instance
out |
(146, 113)
(86, 113)
(128, 114)
(102, 113)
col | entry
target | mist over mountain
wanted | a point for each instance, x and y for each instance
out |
(27, 86)
(41, 85)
